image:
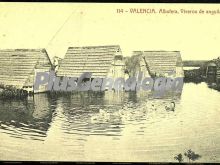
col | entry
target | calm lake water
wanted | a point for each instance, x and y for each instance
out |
(190, 68)
(124, 126)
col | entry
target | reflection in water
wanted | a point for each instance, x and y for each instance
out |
(94, 126)
(106, 113)
(26, 118)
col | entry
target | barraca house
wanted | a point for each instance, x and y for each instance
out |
(101, 61)
(213, 70)
(18, 68)
(156, 63)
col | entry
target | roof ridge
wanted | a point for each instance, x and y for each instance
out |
(101, 46)
(160, 51)
(155, 51)
(20, 49)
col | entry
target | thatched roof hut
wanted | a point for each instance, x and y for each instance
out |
(213, 69)
(18, 66)
(162, 63)
(101, 61)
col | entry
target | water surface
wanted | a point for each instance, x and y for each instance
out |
(125, 126)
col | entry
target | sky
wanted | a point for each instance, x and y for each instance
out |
(56, 26)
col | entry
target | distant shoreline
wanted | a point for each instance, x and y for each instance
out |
(194, 63)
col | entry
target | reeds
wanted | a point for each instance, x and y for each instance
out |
(12, 92)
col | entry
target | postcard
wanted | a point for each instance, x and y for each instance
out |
(110, 82)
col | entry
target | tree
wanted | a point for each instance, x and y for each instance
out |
(133, 64)
(191, 155)
(179, 157)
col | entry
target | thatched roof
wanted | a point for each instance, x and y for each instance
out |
(163, 61)
(94, 59)
(16, 65)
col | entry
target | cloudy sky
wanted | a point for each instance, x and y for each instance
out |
(55, 26)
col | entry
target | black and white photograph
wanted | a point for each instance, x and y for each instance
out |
(110, 82)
